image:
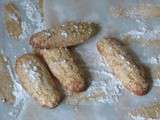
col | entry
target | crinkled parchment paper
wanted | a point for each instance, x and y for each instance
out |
(105, 99)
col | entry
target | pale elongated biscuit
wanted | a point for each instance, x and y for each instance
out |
(68, 34)
(41, 4)
(62, 65)
(6, 83)
(141, 10)
(13, 20)
(37, 80)
(123, 65)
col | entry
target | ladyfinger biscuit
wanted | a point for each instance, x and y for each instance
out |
(13, 20)
(124, 66)
(41, 4)
(62, 64)
(37, 80)
(68, 34)
(146, 11)
(6, 83)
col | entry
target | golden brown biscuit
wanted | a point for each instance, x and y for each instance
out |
(41, 4)
(123, 65)
(37, 80)
(146, 11)
(13, 20)
(68, 34)
(6, 84)
(62, 65)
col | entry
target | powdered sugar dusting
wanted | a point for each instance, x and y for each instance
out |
(14, 17)
(32, 12)
(155, 60)
(156, 82)
(64, 34)
(139, 118)
(32, 71)
(34, 17)
(145, 34)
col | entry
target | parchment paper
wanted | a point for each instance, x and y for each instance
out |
(105, 99)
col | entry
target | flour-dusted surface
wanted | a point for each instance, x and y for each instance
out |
(105, 99)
